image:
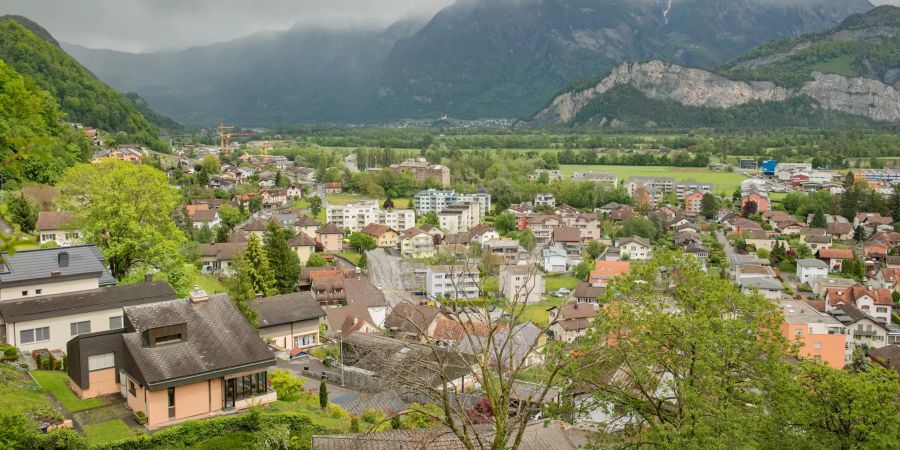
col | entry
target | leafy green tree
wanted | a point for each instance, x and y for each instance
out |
(429, 218)
(527, 240)
(315, 205)
(316, 260)
(638, 226)
(211, 164)
(204, 234)
(778, 254)
(818, 220)
(286, 384)
(362, 242)
(255, 264)
(582, 270)
(709, 206)
(688, 355)
(283, 261)
(126, 209)
(22, 212)
(323, 394)
(230, 216)
(241, 290)
(363, 261)
(750, 208)
(505, 223)
(595, 249)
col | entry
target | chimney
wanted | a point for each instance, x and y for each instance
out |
(198, 295)
(63, 259)
(148, 277)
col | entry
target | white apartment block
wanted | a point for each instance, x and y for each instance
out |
(663, 184)
(682, 189)
(355, 216)
(452, 282)
(434, 200)
(522, 283)
(460, 217)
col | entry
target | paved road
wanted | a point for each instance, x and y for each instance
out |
(726, 245)
(320, 192)
(384, 272)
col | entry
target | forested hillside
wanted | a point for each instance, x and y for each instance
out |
(35, 144)
(83, 97)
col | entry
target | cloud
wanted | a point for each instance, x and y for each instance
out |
(147, 25)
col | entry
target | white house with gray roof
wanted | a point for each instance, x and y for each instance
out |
(51, 271)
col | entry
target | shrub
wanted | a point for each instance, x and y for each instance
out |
(372, 416)
(286, 384)
(336, 411)
(354, 425)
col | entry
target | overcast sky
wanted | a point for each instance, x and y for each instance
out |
(148, 25)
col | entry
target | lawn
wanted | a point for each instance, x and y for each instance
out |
(108, 431)
(14, 396)
(721, 181)
(839, 65)
(537, 312)
(342, 199)
(57, 383)
(210, 284)
(353, 257)
(554, 283)
(309, 404)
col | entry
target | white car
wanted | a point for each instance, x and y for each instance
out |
(563, 291)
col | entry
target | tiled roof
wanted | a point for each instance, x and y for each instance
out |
(585, 290)
(287, 308)
(835, 253)
(222, 251)
(28, 265)
(888, 356)
(302, 240)
(837, 296)
(52, 220)
(375, 229)
(566, 234)
(85, 301)
(411, 318)
(330, 228)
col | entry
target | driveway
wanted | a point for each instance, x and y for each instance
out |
(726, 245)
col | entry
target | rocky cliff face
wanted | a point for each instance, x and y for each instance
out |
(659, 80)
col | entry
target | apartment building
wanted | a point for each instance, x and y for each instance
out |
(435, 200)
(663, 185)
(542, 227)
(49, 271)
(693, 202)
(818, 336)
(460, 217)
(355, 216)
(522, 283)
(683, 189)
(452, 282)
(596, 177)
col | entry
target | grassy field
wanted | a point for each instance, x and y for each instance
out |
(721, 181)
(14, 397)
(343, 199)
(57, 383)
(554, 283)
(840, 65)
(108, 431)
(353, 257)
(537, 312)
(210, 284)
(309, 405)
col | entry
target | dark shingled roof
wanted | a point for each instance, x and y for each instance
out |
(411, 318)
(219, 341)
(31, 265)
(306, 221)
(222, 251)
(585, 290)
(288, 308)
(888, 356)
(301, 240)
(86, 301)
(330, 228)
(566, 234)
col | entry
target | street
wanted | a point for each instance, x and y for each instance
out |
(384, 272)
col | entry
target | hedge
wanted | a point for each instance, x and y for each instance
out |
(191, 433)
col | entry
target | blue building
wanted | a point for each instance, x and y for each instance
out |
(768, 167)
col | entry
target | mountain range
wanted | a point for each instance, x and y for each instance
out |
(848, 74)
(473, 59)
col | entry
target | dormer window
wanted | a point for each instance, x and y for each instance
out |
(168, 339)
(167, 335)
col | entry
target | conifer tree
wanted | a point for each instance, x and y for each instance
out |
(256, 266)
(284, 262)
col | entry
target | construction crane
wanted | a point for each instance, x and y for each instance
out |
(224, 137)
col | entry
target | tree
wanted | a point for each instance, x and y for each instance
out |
(22, 212)
(388, 204)
(638, 226)
(286, 384)
(316, 260)
(283, 261)
(362, 242)
(363, 261)
(210, 164)
(428, 218)
(315, 205)
(709, 206)
(505, 223)
(527, 240)
(818, 220)
(230, 216)
(595, 249)
(859, 233)
(126, 209)
(685, 354)
(255, 264)
(323, 394)
(750, 208)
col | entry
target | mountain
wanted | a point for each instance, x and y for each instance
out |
(848, 74)
(32, 52)
(473, 59)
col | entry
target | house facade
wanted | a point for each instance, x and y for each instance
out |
(452, 282)
(290, 321)
(50, 271)
(522, 283)
(53, 226)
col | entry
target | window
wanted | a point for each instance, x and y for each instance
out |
(818, 346)
(171, 395)
(99, 362)
(24, 293)
(131, 388)
(305, 340)
(168, 339)
(81, 327)
(115, 322)
(798, 333)
(34, 335)
(38, 291)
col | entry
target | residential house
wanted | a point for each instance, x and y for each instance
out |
(552, 175)
(609, 207)
(482, 233)
(205, 218)
(546, 199)
(290, 321)
(334, 188)
(452, 282)
(834, 257)
(219, 258)
(415, 243)
(172, 362)
(887, 278)
(556, 260)
(568, 239)
(817, 243)
(585, 293)
(747, 271)
(295, 191)
(759, 197)
(522, 284)
(809, 269)
(384, 235)
(48, 322)
(419, 322)
(892, 262)
(760, 240)
(331, 238)
(604, 271)
(872, 223)
(635, 247)
(542, 227)
(818, 336)
(306, 225)
(738, 225)
(865, 331)
(506, 248)
(788, 226)
(303, 245)
(344, 288)
(621, 214)
(887, 356)
(53, 226)
(693, 202)
(877, 302)
(821, 285)
(588, 225)
(257, 226)
(769, 287)
(49, 271)
(840, 231)
(273, 197)
(571, 320)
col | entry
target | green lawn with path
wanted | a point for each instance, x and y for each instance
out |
(721, 181)
(57, 383)
(537, 312)
(554, 283)
(108, 431)
(353, 257)
(210, 283)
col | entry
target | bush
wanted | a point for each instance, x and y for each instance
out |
(372, 416)
(191, 433)
(354, 425)
(286, 384)
(336, 411)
